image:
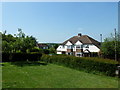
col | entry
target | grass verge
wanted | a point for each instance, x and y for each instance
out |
(39, 75)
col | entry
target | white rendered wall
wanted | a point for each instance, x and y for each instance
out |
(59, 52)
(74, 48)
(62, 48)
(77, 43)
(92, 48)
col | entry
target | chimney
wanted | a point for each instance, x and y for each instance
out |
(79, 34)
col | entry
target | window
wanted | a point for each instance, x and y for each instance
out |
(86, 46)
(63, 52)
(79, 54)
(79, 46)
(69, 47)
(68, 53)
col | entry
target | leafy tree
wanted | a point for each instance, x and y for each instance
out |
(35, 49)
(18, 43)
(20, 33)
(5, 46)
(108, 47)
(56, 46)
(52, 50)
(8, 38)
(25, 42)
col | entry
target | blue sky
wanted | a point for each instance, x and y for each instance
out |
(55, 22)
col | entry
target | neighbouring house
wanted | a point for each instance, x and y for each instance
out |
(43, 46)
(81, 46)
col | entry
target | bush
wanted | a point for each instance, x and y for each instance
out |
(45, 51)
(12, 57)
(5, 57)
(34, 56)
(35, 49)
(88, 64)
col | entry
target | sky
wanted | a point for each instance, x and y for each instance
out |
(55, 22)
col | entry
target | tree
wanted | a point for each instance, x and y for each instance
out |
(18, 43)
(28, 43)
(52, 50)
(20, 33)
(56, 46)
(108, 47)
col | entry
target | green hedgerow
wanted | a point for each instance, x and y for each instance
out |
(87, 64)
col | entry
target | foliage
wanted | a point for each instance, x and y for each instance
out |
(53, 45)
(87, 64)
(8, 38)
(13, 57)
(52, 50)
(34, 49)
(46, 51)
(6, 47)
(108, 47)
(17, 43)
(56, 46)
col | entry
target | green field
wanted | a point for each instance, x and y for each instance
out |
(38, 75)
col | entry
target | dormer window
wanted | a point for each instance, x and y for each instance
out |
(79, 46)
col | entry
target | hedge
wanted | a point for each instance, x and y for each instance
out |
(12, 57)
(88, 64)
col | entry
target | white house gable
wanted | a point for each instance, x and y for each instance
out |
(83, 47)
(68, 43)
(78, 43)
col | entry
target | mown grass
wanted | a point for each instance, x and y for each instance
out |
(40, 75)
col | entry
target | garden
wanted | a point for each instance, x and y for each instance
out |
(42, 75)
(25, 66)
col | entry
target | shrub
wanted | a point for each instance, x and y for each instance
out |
(35, 49)
(12, 57)
(34, 56)
(45, 51)
(5, 57)
(88, 64)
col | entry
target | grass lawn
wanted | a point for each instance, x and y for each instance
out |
(51, 76)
